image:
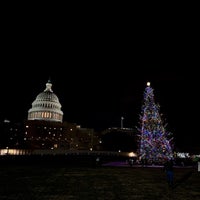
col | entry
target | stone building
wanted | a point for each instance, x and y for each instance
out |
(45, 129)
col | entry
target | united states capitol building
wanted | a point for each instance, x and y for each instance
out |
(44, 128)
(45, 131)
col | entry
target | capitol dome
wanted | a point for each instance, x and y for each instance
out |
(46, 106)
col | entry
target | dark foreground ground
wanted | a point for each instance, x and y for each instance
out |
(51, 181)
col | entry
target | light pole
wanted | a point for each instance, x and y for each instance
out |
(122, 118)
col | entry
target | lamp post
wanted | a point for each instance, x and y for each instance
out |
(122, 118)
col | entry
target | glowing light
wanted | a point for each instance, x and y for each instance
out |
(183, 155)
(148, 83)
(132, 154)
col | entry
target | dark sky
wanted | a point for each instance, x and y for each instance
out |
(99, 64)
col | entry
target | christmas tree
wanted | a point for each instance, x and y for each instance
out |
(155, 143)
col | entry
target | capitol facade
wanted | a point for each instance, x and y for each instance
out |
(46, 129)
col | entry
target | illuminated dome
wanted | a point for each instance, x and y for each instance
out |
(46, 106)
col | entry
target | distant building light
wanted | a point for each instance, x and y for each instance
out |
(183, 155)
(6, 121)
(132, 154)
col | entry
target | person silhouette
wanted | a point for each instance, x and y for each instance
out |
(168, 166)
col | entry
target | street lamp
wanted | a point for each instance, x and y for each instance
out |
(122, 118)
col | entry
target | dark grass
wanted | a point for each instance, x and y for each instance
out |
(62, 182)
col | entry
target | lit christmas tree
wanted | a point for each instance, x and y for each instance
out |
(155, 143)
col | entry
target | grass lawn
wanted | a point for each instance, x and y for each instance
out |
(59, 182)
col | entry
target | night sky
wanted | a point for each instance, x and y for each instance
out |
(99, 65)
